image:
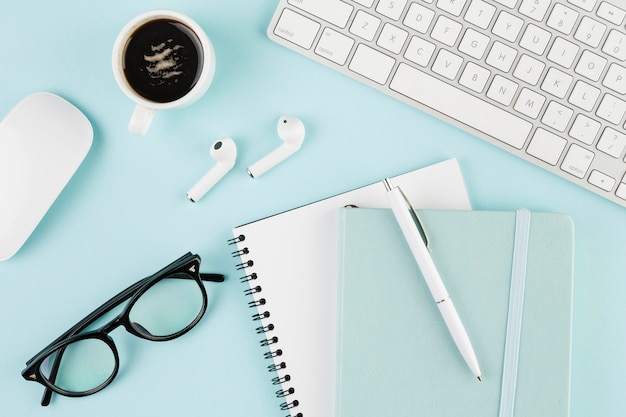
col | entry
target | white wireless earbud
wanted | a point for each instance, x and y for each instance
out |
(291, 131)
(224, 151)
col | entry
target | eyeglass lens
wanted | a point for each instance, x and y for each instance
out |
(167, 307)
(85, 365)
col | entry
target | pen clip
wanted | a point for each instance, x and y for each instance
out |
(412, 212)
(418, 222)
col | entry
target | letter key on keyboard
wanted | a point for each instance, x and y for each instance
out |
(542, 79)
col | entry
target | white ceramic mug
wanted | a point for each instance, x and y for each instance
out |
(162, 59)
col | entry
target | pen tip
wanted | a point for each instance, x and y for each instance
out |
(480, 378)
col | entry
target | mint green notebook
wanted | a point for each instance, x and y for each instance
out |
(395, 355)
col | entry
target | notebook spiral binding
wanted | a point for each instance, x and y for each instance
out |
(269, 341)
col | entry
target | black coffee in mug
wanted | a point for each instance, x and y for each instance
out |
(163, 60)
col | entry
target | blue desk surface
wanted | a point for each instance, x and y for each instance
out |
(124, 214)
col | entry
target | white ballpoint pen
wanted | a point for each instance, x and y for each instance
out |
(416, 238)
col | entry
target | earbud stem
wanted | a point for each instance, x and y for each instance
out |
(272, 159)
(207, 182)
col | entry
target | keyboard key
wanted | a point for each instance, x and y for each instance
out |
(557, 116)
(546, 146)
(600, 179)
(556, 83)
(480, 13)
(371, 64)
(332, 11)
(501, 56)
(419, 51)
(366, 3)
(461, 106)
(446, 30)
(502, 90)
(529, 69)
(612, 142)
(587, 5)
(507, 26)
(584, 96)
(590, 32)
(535, 39)
(334, 46)
(474, 77)
(529, 103)
(563, 52)
(391, 8)
(584, 129)
(447, 64)
(621, 191)
(535, 9)
(419, 18)
(611, 13)
(615, 79)
(590, 65)
(297, 29)
(615, 45)
(562, 19)
(611, 109)
(474, 43)
(577, 161)
(392, 38)
(365, 25)
(454, 7)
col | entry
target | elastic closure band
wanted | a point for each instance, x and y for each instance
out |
(514, 321)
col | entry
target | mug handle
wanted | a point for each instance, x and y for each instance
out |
(140, 120)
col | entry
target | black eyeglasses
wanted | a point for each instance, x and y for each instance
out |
(162, 307)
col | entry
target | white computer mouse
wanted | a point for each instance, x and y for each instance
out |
(43, 140)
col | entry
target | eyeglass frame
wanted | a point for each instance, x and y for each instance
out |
(188, 264)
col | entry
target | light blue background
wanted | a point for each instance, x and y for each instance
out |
(124, 215)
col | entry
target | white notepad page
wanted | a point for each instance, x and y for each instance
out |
(295, 259)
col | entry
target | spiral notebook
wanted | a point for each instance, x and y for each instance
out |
(395, 354)
(289, 267)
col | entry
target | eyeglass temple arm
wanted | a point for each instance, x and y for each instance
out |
(212, 277)
(104, 308)
(97, 313)
(47, 393)
(114, 302)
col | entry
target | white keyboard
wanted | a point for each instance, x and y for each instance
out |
(543, 79)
